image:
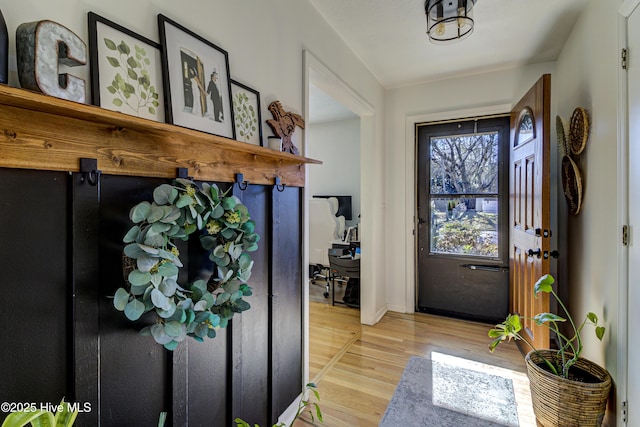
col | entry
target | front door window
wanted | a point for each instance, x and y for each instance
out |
(464, 194)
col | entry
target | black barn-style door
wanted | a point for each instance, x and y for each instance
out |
(61, 258)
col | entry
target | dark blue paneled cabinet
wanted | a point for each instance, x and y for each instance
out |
(61, 259)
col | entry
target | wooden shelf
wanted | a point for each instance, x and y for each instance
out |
(43, 132)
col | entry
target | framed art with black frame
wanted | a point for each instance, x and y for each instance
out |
(246, 113)
(196, 80)
(126, 70)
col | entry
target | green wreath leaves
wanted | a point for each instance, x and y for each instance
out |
(228, 233)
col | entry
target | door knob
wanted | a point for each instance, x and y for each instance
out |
(537, 253)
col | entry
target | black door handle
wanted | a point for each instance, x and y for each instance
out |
(537, 253)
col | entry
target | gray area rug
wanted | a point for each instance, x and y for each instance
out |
(450, 392)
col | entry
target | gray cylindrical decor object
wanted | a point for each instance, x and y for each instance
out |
(4, 51)
(274, 142)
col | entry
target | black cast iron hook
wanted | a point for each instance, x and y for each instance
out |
(89, 171)
(242, 184)
(277, 185)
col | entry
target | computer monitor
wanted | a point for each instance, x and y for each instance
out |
(344, 206)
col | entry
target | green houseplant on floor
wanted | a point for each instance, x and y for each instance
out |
(63, 415)
(303, 405)
(566, 389)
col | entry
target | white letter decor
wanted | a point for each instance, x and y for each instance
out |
(152, 261)
(43, 45)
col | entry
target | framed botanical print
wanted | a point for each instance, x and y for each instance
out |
(246, 113)
(196, 80)
(126, 70)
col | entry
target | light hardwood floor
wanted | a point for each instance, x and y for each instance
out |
(357, 367)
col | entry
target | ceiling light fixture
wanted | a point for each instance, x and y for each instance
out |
(449, 20)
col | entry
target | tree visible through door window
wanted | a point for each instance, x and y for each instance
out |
(463, 192)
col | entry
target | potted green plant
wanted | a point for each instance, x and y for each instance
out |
(566, 389)
(62, 415)
(303, 405)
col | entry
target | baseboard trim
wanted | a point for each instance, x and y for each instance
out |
(397, 308)
(380, 313)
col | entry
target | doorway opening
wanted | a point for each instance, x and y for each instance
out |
(325, 83)
(462, 204)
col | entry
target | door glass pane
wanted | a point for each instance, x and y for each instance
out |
(464, 194)
(465, 226)
(464, 164)
(526, 130)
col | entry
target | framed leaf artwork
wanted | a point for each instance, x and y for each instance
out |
(246, 113)
(196, 80)
(126, 70)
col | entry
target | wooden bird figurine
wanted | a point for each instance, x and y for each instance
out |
(284, 124)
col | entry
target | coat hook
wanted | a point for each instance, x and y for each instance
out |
(89, 171)
(242, 184)
(183, 173)
(279, 187)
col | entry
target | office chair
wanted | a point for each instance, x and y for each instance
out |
(344, 269)
(323, 230)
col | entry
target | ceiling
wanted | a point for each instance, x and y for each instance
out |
(389, 37)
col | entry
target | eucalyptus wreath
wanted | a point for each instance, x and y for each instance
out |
(151, 261)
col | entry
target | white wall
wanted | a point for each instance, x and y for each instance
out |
(437, 98)
(337, 145)
(264, 39)
(587, 76)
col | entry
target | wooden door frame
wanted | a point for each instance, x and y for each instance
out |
(314, 71)
(624, 12)
(411, 159)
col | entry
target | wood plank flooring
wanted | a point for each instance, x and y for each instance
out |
(357, 367)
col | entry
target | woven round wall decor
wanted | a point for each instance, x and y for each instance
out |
(562, 134)
(572, 184)
(578, 130)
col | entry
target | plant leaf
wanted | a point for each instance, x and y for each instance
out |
(120, 299)
(66, 417)
(145, 263)
(133, 64)
(171, 345)
(19, 419)
(138, 278)
(132, 234)
(168, 269)
(140, 212)
(113, 61)
(541, 318)
(544, 284)
(124, 48)
(159, 300)
(184, 200)
(158, 334)
(134, 309)
(110, 44)
(173, 328)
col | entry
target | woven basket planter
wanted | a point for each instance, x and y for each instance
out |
(564, 402)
